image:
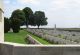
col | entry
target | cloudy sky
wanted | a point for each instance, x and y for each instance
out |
(63, 13)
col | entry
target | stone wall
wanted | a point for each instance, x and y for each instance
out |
(12, 49)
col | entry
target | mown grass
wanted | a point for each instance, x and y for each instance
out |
(20, 37)
(16, 37)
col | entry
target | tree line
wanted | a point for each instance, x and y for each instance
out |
(24, 17)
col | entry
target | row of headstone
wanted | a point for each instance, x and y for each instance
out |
(72, 36)
(31, 40)
(51, 38)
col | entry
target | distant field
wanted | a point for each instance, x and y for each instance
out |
(65, 29)
(19, 37)
(70, 29)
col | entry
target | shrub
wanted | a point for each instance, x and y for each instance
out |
(27, 40)
(15, 24)
(59, 34)
(6, 25)
(73, 35)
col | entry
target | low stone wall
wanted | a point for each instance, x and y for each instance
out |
(18, 49)
(32, 40)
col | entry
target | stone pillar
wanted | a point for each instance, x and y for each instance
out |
(1, 22)
(55, 28)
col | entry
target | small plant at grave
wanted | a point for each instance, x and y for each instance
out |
(76, 41)
(55, 35)
(59, 35)
(69, 30)
(65, 37)
(52, 42)
(26, 40)
(73, 35)
(57, 42)
(70, 39)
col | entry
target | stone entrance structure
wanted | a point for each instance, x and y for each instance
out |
(1, 22)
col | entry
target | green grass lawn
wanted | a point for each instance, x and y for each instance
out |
(19, 37)
(16, 37)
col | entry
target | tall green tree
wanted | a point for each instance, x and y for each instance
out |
(18, 14)
(28, 12)
(32, 21)
(17, 18)
(6, 25)
(40, 18)
(44, 22)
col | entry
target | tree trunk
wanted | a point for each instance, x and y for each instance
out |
(38, 27)
(27, 25)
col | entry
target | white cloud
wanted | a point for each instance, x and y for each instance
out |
(29, 1)
(64, 13)
(57, 3)
(65, 3)
(6, 1)
(72, 3)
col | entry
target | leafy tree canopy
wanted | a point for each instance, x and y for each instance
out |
(28, 12)
(40, 18)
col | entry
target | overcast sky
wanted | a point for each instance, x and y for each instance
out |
(63, 13)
